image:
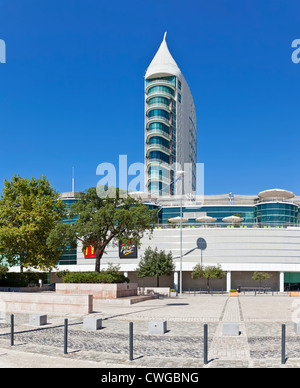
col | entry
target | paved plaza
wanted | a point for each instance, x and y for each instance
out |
(258, 344)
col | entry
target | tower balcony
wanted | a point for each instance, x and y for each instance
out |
(159, 93)
(157, 132)
(157, 147)
(157, 162)
(157, 105)
(159, 119)
(162, 82)
(157, 177)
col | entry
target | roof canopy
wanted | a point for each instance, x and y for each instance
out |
(276, 194)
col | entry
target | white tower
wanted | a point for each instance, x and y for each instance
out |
(170, 126)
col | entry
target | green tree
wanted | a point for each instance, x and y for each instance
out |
(155, 263)
(208, 272)
(104, 217)
(29, 210)
(3, 271)
(260, 277)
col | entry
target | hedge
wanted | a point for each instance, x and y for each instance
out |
(13, 279)
(94, 277)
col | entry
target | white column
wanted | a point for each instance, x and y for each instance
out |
(281, 282)
(228, 281)
(176, 281)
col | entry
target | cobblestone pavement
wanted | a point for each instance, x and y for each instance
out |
(257, 346)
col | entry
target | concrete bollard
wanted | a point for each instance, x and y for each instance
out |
(297, 327)
(231, 329)
(37, 320)
(157, 327)
(92, 324)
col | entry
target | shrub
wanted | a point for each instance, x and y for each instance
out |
(94, 277)
(13, 279)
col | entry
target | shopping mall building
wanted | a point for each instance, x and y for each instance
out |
(262, 236)
(241, 233)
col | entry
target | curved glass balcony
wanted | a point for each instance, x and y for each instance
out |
(160, 100)
(157, 132)
(160, 90)
(158, 105)
(160, 81)
(155, 119)
(157, 177)
(158, 147)
(158, 156)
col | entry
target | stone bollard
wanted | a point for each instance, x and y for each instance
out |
(157, 327)
(37, 320)
(92, 324)
(231, 329)
(297, 327)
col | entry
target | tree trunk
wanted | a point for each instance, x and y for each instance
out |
(157, 281)
(208, 287)
(99, 255)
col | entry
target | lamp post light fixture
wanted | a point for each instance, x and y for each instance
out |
(181, 175)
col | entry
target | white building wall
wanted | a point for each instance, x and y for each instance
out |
(236, 250)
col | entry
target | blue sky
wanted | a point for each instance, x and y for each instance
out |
(72, 90)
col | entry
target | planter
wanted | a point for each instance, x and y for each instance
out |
(233, 294)
(173, 294)
(98, 290)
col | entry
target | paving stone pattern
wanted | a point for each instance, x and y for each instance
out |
(258, 345)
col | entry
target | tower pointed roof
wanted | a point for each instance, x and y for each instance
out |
(163, 64)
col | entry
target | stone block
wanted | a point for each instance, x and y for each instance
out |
(92, 324)
(231, 329)
(37, 320)
(297, 327)
(157, 327)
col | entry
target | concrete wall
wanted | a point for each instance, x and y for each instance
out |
(99, 291)
(244, 279)
(20, 302)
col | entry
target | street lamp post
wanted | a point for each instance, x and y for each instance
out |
(180, 174)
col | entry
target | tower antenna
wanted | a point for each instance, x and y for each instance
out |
(165, 35)
(73, 181)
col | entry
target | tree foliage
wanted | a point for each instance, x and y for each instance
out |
(29, 210)
(104, 218)
(208, 272)
(155, 263)
(260, 277)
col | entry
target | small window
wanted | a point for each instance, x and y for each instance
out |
(179, 97)
(179, 85)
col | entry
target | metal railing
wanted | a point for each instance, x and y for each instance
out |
(193, 225)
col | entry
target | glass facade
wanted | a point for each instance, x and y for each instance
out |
(159, 100)
(218, 212)
(161, 88)
(159, 156)
(276, 214)
(159, 113)
(264, 215)
(161, 131)
(159, 140)
(69, 257)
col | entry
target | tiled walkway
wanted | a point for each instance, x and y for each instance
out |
(258, 344)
